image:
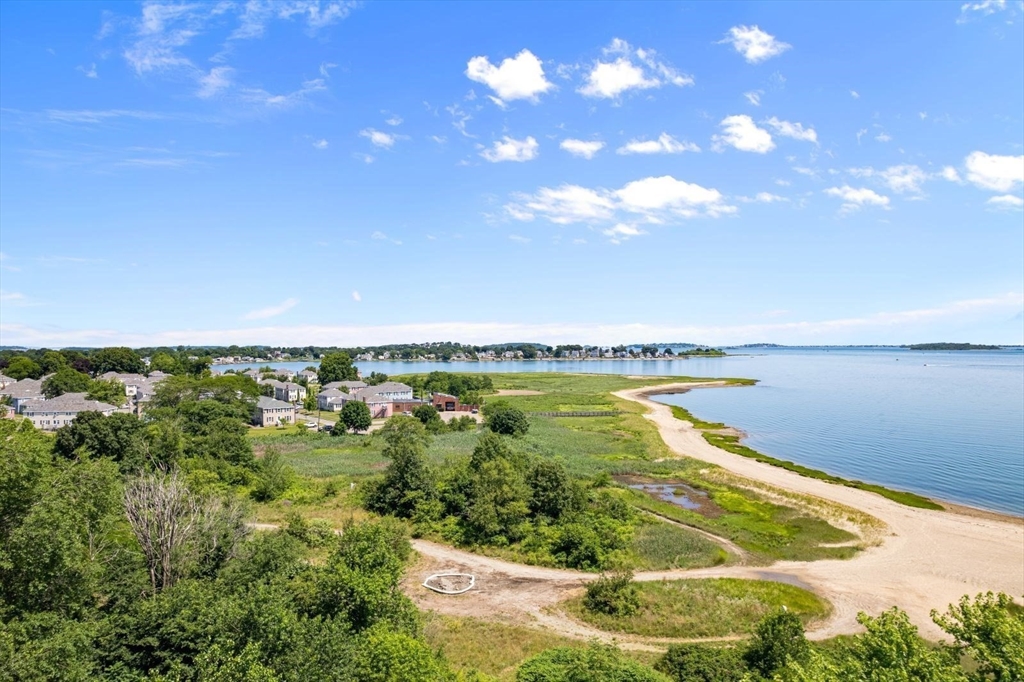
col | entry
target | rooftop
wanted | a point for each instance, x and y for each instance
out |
(69, 402)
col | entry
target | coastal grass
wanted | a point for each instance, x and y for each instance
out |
(730, 443)
(714, 607)
(661, 546)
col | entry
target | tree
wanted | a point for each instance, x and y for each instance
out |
(502, 418)
(406, 481)
(990, 630)
(164, 516)
(66, 380)
(120, 436)
(499, 502)
(164, 362)
(110, 391)
(116, 359)
(309, 402)
(778, 638)
(615, 595)
(355, 415)
(336, 367)
(22, 367)
(552, 491)
(52, 361)
(702, 663)
(376, 378)
(428, 416)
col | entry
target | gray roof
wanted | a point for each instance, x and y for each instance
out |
(26, 388)
(292, 385)
(332, 393)
(69, 402)
(347, 384)
(391, 387)
(6, 379)
(272, 382)
(265, 403)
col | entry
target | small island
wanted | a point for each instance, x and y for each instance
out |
(951, 346)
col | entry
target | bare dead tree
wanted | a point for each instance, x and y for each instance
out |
(164, 515)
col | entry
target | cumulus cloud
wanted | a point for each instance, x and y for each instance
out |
(651, 200)
(632, 69)
(793, 130)
(951, 174)
(742, 133)
(994, 172)
(981, 8)
(665, 144)
(356, 296)
(511, 149)
(754, 44)
(621, 232)
(271, 311)
(854, 199)
(1006, 202)
(320, 144)
(379, 138)
(754, 97)
(585, 149)
(763, 198)
(519, 238)
(519, 77)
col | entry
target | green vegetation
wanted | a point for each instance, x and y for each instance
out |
(336, 367)
(596, 663)
(951, 346)
(700, 608)
(730, 443)
(355, 416)
(612, 595)
(500, 417)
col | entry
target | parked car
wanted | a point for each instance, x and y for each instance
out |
(474, 411)
(310, 425)
(326, 428)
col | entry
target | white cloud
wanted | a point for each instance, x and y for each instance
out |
(754, 97)
(1006, 201)
(897, 326)
(90, 72)
(271, 311)
(763, 198)
(621, 232)
(325, 68)
(854, 199)
(320, 144)
(950, 173)
(883, 137)
(519, 238)
(854, 94)
(665, 144)
(653, 199)
(510, 149)
(754, 44)
(994, 172)
(633, 69)
(217, 80)
(365, 158)
(394, 120)
(982, 8)
(742, 133)
(583, 148)
(356, 296)
(519, 77)
(11, 296)
(380, 236)
(261, 97)
(861, 133)
(900, 179)
(793, 130)
(379, 138)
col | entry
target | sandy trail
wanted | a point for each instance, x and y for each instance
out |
(926, 559)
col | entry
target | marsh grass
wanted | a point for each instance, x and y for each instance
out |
(718, 607)
(659, 546)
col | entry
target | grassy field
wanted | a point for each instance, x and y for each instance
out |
(718, 607)
(731, 443)
(588, 446)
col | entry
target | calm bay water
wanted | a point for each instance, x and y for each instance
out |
(947, 425)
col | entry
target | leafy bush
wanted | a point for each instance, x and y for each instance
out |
(702, 663)
(779, 638)
(614, 595)
(500, 417)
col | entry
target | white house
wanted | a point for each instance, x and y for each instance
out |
(23, 392)
(332, 399)
(350, 386)
(270, 412)
(392, 390)
(289, 392)
(50, 415)
(309, 375)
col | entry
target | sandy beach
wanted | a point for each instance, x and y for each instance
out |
(920, 560)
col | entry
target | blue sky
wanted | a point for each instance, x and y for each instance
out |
(350, 173)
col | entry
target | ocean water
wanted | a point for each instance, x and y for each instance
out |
(949, 425)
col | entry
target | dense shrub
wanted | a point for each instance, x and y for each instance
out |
(702, 663)
(500, 417)
(596, 663)
(614, 595)
(779, 638)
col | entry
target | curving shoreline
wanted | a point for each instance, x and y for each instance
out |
(926, 560)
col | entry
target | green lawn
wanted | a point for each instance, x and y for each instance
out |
(717, 607)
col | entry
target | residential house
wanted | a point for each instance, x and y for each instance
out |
(289, 392)
(332, 399)
(381, 406)
(351, 386)
(50, 415)
(309, 375)
(6, 381)
(271, 412)
(21, 393)
(389, 389)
